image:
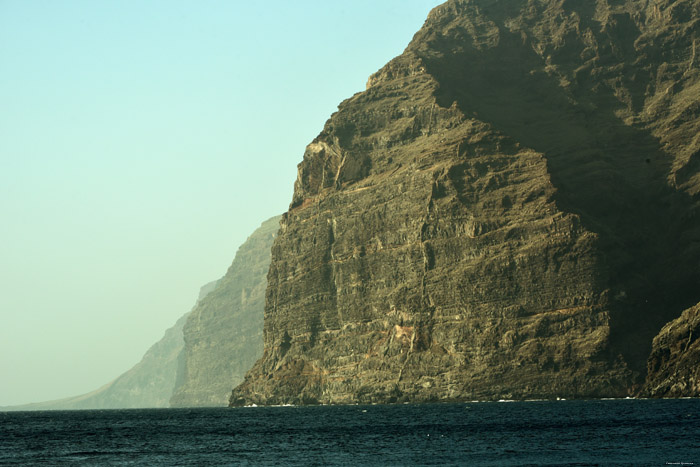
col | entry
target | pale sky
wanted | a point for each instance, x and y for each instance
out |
(141, 143)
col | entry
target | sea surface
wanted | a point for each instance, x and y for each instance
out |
(555, 433)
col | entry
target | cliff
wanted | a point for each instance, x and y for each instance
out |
(674, 364)
(510, 210)
(223, 333)
(149, 384)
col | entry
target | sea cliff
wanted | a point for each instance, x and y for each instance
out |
(674, 364)
(509, 210)
(223, 333)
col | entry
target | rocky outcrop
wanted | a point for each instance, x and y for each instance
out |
(510, 210)
(674, 364)
(223, 334)
(149, 384)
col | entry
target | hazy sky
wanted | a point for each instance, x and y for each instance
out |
(141, 143)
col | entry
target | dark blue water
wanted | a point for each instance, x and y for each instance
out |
(564, 433)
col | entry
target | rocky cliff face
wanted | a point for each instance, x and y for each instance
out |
(223, 334)
(674, 364)
(510, 210)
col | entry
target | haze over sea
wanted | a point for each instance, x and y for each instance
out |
(561, 433)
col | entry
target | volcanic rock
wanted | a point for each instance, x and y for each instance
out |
(510, 210)
(674, 364)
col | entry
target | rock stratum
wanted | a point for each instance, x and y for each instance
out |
(223, 333)
(510, 210)
(674, 364)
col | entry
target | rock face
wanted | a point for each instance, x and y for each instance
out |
(674, 364)
(149, 384)
(510, 210)
(223, 334)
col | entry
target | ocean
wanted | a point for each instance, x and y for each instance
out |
(538, 433)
